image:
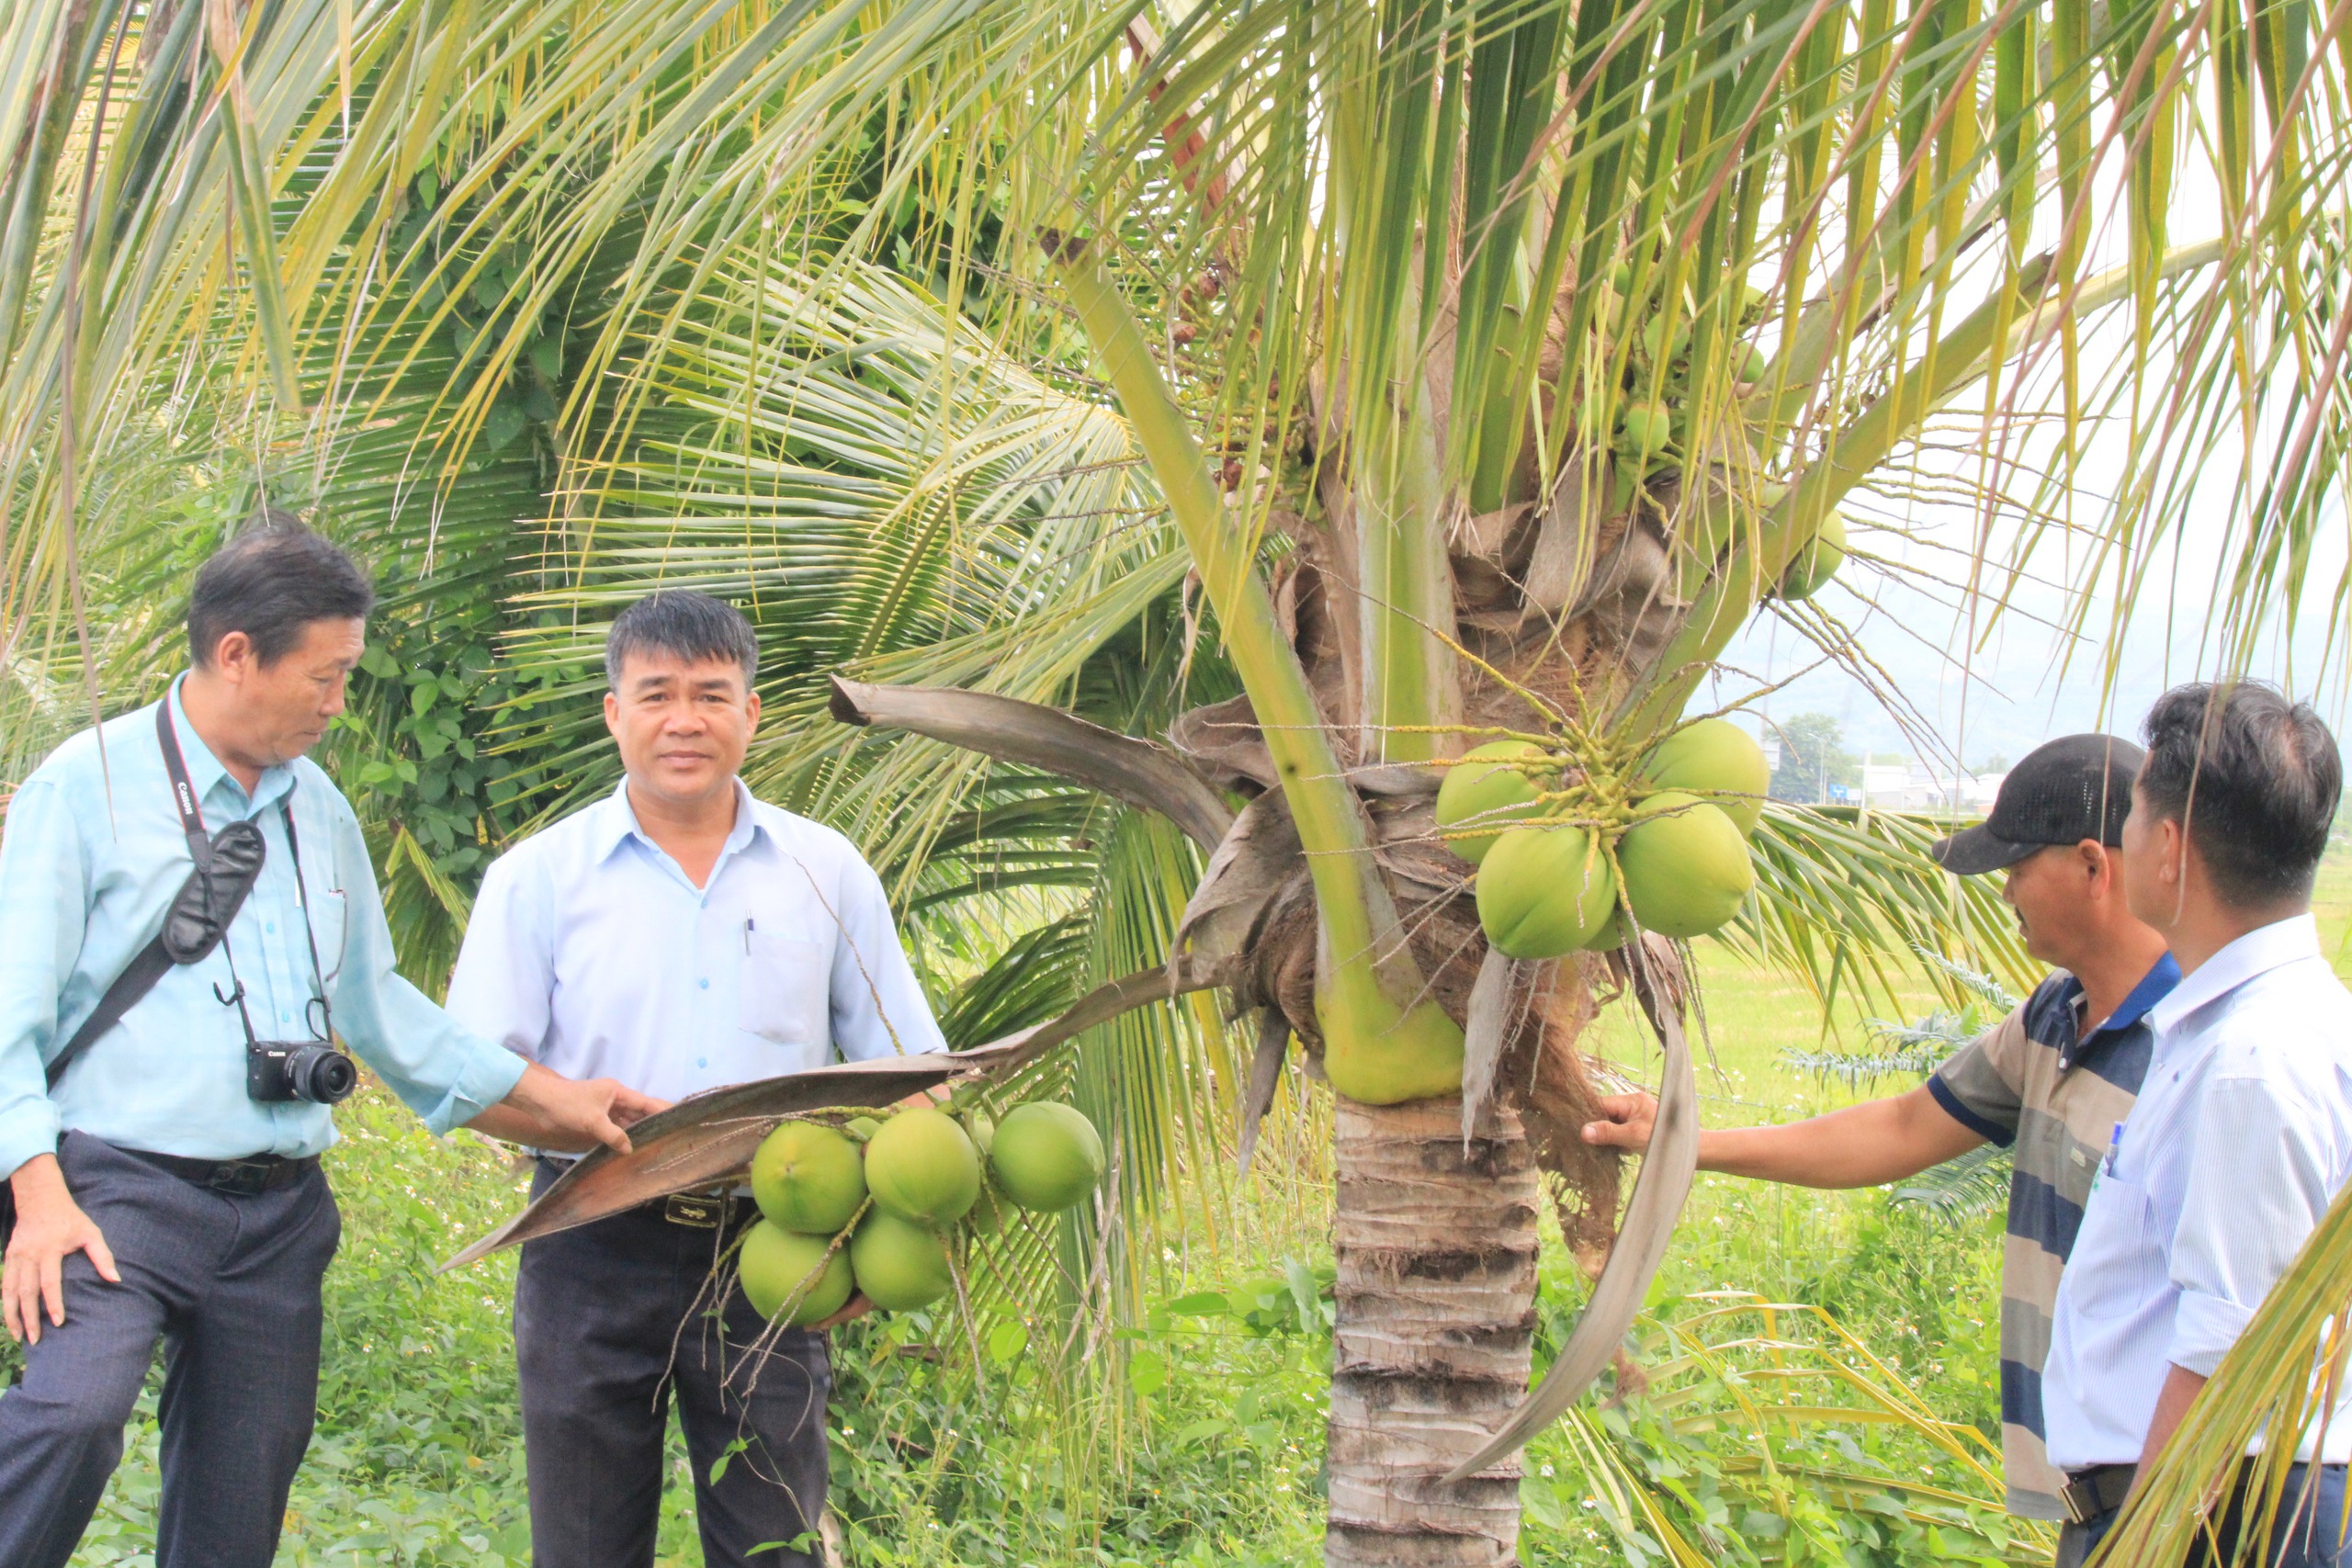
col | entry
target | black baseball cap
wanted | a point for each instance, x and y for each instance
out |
(2073, 788)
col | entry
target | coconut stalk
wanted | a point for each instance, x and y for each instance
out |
(1387, 1041)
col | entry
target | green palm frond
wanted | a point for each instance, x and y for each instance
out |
(882, 493)
(1849, 163)
(1039, 974)
(1846, 164)
(1755, 1415)
(1915, 1049)
(1840, 890)
(1967, 1187)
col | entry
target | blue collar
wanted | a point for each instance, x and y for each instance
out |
(2153, 987)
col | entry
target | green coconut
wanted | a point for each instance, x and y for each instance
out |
(1544, 891)
(1657, 345)
(922, 1167)
(1478, 792)
(806, 1176)
(1648, 429)
(900, 1266)
(1719, 763)
(1816, 561)
(1046, 1156)
(778, 1265)
(1685, 864)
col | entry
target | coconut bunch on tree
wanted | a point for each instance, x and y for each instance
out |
(1489, 368)
(1573, 854)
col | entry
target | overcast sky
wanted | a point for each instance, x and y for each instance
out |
(2027, 681)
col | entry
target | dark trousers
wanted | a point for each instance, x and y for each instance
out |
(2307, 1533)
(612, 1320)
(229, 1285)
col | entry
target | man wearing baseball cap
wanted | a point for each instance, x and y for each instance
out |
(2050, 1081)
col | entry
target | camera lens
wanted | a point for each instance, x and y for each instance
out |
(320, 1073)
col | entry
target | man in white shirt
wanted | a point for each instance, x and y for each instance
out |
(2242, 1134)
(682, 936)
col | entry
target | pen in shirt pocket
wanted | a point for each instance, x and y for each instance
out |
(747, 937)
(2114, 1147)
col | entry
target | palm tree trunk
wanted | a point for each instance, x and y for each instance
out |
(1437, 1248)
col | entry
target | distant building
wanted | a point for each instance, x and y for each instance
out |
(1886, 784)
(1906, 786)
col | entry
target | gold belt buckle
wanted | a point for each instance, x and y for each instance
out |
(695, 1211)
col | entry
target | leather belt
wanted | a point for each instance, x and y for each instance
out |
(247, 1177)
(2099, 1489)
(706, 1210)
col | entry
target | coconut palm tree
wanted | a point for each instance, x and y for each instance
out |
(1492, 364)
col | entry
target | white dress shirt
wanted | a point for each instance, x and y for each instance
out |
(2240, 1139)
(591, 952)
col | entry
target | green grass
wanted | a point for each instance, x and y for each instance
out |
(956, 1446)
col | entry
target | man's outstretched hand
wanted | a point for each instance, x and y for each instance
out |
(50, 1228)
(548, 1111)
(1626, 1120)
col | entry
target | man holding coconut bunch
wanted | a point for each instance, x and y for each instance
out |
(2053, 1079)
(681, 936)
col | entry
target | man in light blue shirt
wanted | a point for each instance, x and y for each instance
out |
(166, 1189)
(677, 935)
(2242, 1134)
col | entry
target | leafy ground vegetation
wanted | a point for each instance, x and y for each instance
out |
(1191, 1434)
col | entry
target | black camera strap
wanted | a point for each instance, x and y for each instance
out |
(227, 866)
(302, 901)
(201, 849)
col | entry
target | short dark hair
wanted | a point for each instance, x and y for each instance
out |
(2252, 777)
(686, 624)
(271, 582)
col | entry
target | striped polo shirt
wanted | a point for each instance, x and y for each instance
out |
(2033, 1083)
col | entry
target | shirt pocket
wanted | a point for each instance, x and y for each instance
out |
(785, 995)
(2117, 1266)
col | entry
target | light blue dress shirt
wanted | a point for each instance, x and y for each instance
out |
(2239, 1141)
(90, 858)
(590, 950)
